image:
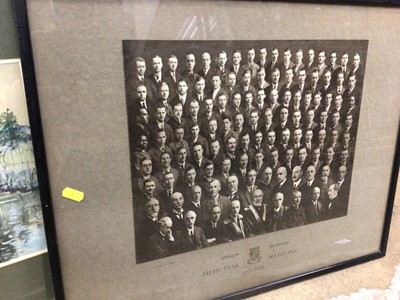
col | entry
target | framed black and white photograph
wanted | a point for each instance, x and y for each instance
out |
(224, 148)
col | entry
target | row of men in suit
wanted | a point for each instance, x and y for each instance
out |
(138, 75)
(183, 229)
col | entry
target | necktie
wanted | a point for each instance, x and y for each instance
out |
(157, 78)
(169, 193)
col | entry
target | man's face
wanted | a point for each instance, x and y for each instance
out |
(143, 141)
(316, 154)
(142, 92)
(182, 155)
(352, 82)
(321, 57)
(165, 160)
(326, 171)
(275, 157)
(198, 152)
(302, 155)
(152, 208)
(309, 135)
(191, 176)
(289, 75)
(259, 157)
(232, 80)
(190, 62)
(287, 97)
(323, 116)
(257, 198)
(251, 54)
(302, 76)
(196, 194)
(254, 118)
(246, 78)
(149, 187)
(316, 193)
(286, 56)
(342, 172)
(233, 183)
(222, 101)
(297, 98)
(237, 100)
(356, 61)
(297, 198)
(310, 116)
(327, 78)
(307, 99)
(281, 174)
(164, 92)
(296, 173)
(215, 147)
(333, 58)
(209, 105)
(161, 138)
(157, 64)
(275, 76)
(232, 145)
(310, 173)
(334, 136)
(216, 82)
(345, 155)
(190, 218)
(173, 63)
(328, 99)
(144, 116)
(321, 136)
(227, 124)
(330, 153)
(338, 101)
(235, 208)
(335, 117)
(284, 115)
(182, 88)
(169, 180)
(251, 177)
(215, 214)
(222, 59)
(258, 138)
(147, 167)
(179, 134)
(263, 54)
(245, 141)
(226, 166)
(273, 96)
(289, 155)
(194, 108)
(340, 79)
(206, 60)
(349, 120)
(239, 121)
(299, 57)
(311, 55)
(215, 187)
(317, 99)
(344, 60)
(278, 200)
(268, 116)
(209, 170)
(314, 78)
(212, 126)
(332, 192)
(166, 227)
(297, 134)
(261, 75)
(285, 136)
(267, 175)
(200, 85)
(296, 117)
(237, 57)
(271, 137)
(160, 114)
(140, 68)
(275, 54)
(346, 138)
(177, 111)
(243, 161)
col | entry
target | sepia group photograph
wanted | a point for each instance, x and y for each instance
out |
(233, 139)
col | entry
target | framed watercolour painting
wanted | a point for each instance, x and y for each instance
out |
(230, 145)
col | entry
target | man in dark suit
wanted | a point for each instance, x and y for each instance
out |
(138, 78)
(221, 69)
(183, 97)
(163, 101)
(332, 66)
(162, 243)
(343, 68)
(177, 212)
(276, 217)
(191, 237)
(189, 75)
(311, 63)
(295, 215)
(274, 64)
(246, 192)
(157, 77)
(314, 209)
(215, 198)
(256, 214)
(199, 161)
(262, 62)
(171, 76)
(206, 72)
(200, 94)
(307, 188)
(197, 204)
(235, 224)
(298, 64)
(169, 187)
(336, 207)
(141, 102)
(357, 70)
(214, 228)
(284, 186)
(236, 66)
